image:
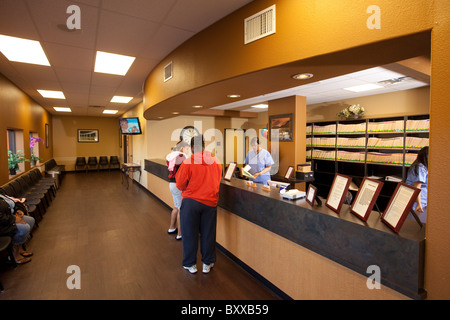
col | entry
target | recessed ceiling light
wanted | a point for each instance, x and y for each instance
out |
(23, 50)
(197, 107)
(260, 106)
(52, 94)
(110, 111)
(364, 87)
(62, 109)
(121, 99)
(112, 63)
(175, 112)
(302, 76)
(233, 95)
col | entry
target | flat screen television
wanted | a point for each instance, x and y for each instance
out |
(130, 125)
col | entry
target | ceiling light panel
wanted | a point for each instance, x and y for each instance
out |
(260, 106)
(62, 109)
(112, 63)
(23, 50)
(52, 94)
(364, 87)
(110, 111)
(121, 99)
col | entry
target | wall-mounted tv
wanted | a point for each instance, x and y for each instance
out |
(130, 125)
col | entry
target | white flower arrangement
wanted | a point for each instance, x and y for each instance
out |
(355, 110)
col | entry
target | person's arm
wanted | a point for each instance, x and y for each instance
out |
(266, 169)
(182, 177)
(418, 185)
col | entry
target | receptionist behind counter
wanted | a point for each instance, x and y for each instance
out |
(260, 162)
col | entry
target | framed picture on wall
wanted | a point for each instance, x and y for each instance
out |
(46, 135)
(281, 127)
(87, 135)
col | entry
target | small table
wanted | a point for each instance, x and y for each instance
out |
(130, 167)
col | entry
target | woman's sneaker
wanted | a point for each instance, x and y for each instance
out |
(207, 267)
(191, 269)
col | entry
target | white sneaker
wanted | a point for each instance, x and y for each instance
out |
(207, 267)
(191, 269)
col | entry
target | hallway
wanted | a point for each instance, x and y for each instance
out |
(119, 240)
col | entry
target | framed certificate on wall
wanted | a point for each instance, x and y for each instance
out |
(366, 197)
(230, 171)
(338, 192)
(399, 206)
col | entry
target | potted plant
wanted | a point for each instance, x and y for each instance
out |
(352, 112)
(13, 161)
(33, 141)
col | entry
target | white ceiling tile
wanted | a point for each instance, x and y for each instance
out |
(68, 57)
(16, 21)
(123, 34)
(149, 10)
(50, 19)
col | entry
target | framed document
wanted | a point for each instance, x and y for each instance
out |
(311, 195)
(289, 172)
(338, 192)
(399, 206)
(366, 197)
(230, 171)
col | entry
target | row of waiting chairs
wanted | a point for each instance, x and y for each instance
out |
(38, 191)
(93, 164)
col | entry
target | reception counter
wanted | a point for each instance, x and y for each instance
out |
(311, 252)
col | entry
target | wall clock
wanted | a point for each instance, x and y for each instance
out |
(187, 133)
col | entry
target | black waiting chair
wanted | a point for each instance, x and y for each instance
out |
(103, 162)
(92, 163)
(80, 164)
(5, 244)
(114, 162)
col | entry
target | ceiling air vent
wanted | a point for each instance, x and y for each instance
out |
(168, 72)
(260, 25)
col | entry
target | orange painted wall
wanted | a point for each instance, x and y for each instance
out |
(305, 29)
(437, 261)
(18, 111)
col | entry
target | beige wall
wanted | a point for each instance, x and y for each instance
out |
(408, 102)
(66, 144)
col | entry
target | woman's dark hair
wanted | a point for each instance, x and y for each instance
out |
(254, 139)
(197, 144)
(180, 144)
(422, 158)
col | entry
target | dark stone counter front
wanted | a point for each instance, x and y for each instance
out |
(342, 237)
